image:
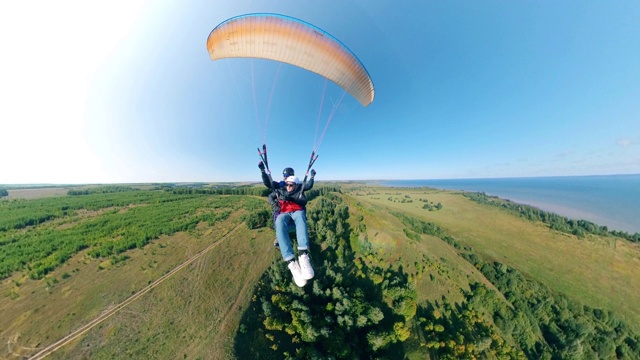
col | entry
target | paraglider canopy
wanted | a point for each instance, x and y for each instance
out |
(292, 41)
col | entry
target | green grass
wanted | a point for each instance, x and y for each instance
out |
(193, 314)
(36, 313)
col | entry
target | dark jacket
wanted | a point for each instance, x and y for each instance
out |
(291, 200)
(274, 202)
(277, 185)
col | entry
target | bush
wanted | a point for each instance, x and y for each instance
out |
(257, 219)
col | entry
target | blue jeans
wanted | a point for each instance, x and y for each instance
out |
(282, 232)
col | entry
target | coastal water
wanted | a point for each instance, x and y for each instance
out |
(611, 200)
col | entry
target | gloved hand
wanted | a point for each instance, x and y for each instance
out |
(261, 166)
(313, 173)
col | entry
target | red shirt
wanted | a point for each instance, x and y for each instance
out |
(289, 206)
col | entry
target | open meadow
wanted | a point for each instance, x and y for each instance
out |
(37, 193)
(595, 270)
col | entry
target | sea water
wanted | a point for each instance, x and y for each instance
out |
(610, 200)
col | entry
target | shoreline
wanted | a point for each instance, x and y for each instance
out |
(609, 201)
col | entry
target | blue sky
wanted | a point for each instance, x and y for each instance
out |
(124, 91)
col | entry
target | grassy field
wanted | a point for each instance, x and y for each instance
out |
(37, 193)
(196, 313)
(209, 293)
(446, 272)
(597, 271)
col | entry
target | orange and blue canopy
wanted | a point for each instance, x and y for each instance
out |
(292, 41)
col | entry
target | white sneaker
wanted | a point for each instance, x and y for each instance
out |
(297, 274)
(305, 267)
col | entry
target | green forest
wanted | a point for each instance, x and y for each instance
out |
(32, 241)
(360, 303)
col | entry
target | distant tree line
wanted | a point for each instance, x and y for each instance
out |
(107, 189)
(3, 192)
(555, 222)
(255, 190)
(221, 190)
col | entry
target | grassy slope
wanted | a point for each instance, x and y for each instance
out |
(592, 270)
(446, 272)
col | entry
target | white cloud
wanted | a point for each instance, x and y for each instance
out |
(625, 142)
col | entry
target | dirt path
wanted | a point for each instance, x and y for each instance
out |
(108, 313)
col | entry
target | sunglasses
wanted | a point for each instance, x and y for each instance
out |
(288, 185)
